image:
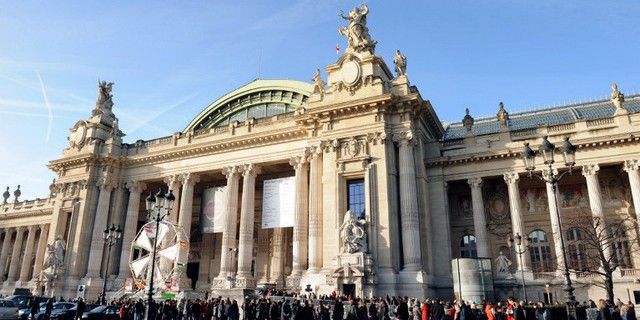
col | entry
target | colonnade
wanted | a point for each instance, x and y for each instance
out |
(589, 171)
(21, 256)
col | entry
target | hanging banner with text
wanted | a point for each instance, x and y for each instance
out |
(278, 203)
(213, 210)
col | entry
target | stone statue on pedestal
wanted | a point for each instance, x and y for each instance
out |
(616, 96)
(104, 101)
(502, 265)
(401, 63)
(55, 255)
(353, 234)
(357, 32)
(318, 83)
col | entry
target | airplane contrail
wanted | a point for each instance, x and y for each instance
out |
(46, 102)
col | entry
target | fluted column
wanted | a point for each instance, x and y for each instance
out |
(41, 251)
(189, 181)
(130, 225)
(479, 219)
(409, 218)
(315, 211)
(5, 251)
(99, 224)
(15, 254)
(229, 247)
(28, 253)
(590, 172)
(517, 223)
(173, 183)
(555, 223)
(276, 262)
(301, 218)
(247, 217)
(631, 167)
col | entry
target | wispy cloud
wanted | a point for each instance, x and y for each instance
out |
(28, 104)
(146, 121)
(31, 114)
(46, 102)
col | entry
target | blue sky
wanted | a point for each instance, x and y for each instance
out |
(169, 59)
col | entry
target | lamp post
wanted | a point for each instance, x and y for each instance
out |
(520, 248)
(551, 176)
(111, 236)
(158, 208)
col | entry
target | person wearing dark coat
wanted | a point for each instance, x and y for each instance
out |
(403, 310)
(437, 312)
(80, 308)
(338, 310)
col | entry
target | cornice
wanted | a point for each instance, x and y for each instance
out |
(205, 148)
(508, 153)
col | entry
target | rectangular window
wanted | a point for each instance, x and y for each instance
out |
(355, 194)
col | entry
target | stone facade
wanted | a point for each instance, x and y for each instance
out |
(426, 187)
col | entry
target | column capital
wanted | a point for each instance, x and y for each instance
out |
(250, 169)
(135, 186)
(511, 177)
(590, 170)
(173, 180)
(32, 227)
(44, 227)
(231, 171)
(315, 152)
(297, 162)
(403, 138)
(106, 183)
(631, 165)
(20, 228)
(189, 178)
(475, 182)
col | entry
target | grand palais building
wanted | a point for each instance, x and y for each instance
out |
(349, 182)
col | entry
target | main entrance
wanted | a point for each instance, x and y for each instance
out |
(349, 289)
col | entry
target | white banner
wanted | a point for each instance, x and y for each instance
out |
(213, 210)
(278, 203)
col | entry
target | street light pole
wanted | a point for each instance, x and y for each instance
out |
(111, 237)
(158, 207)
(519, 250)
(547, 149)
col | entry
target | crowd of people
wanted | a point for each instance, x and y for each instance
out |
(286, 306)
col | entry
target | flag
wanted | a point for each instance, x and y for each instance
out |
(337, 49)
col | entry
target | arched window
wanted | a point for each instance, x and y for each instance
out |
(540, 251)
(621, 252)
(468, 247)
(577, 250)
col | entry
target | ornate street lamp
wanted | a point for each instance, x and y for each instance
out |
(520, 247)
(158, 207)
(550, 176)
(111, 236)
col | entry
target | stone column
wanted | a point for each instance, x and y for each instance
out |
(41, 251)
(590, 172)
(409, 218)
(229, 247)
(555, 223)
(28, 254)
(247, 217)
(189, 181)
(631, 167)
(277, 258)
(301, 219)
(100, 223)
(517, 223)
(315, 211)
(479, 219)
(130, 225)
(173, 183)
(15, 255)
(4, 254)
